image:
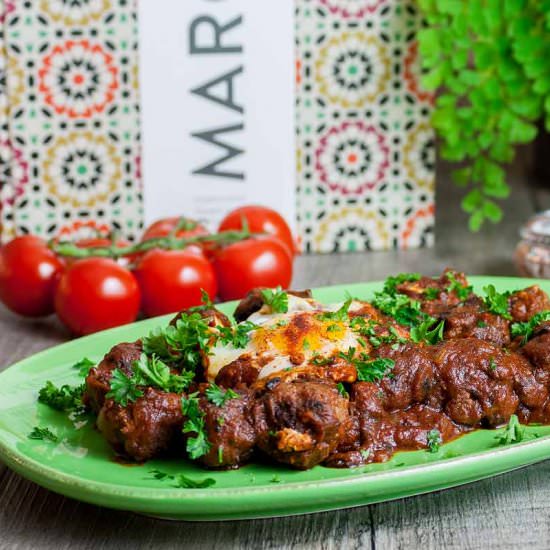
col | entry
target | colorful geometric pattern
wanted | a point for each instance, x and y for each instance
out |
(69, 118)
(365, 149)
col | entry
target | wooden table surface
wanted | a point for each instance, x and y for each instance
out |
(509, 511)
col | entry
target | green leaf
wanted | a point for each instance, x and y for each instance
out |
(492, 211)
(462, 176)
(472, 201)
(476, 221)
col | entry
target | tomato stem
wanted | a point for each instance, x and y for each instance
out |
(170, 242)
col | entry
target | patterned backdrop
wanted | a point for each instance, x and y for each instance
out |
(69, 122)
(69, 142)
(365, 148)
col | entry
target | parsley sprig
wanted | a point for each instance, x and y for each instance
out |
(64, 398)
(527, 328)
(429, 331)
(198, 444)
(434, 440)
(513, 433)
(43, 434)
(368, 369)
(276, 299)
(341, 314)
(84, 366)
(180, 343)
(146, 371)
(236, 335)
(390, 285)
(497, 302)
(181, 481)
(462, 291)
(218, 396)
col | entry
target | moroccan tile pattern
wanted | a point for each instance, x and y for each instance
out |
(365, 149)
(69, 115)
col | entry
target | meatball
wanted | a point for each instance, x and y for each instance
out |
(214, 316)
(413, 379)
(537, 351)
(230, 432)
(478, 378)
(242, 372)
(300, 423)
(149, 427)
(525, 303)
(470, 321)
(98, 381)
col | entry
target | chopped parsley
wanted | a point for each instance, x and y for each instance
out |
(527, 328)
(43, 434)
(341, 314)
(368, 370)
(275, 479)
(496, 302)
(182, 481)
(399, 306)
(198, 444)
(426, 332)
(390, 284)
(367, 328)
(462, 291)
(492, 364)
(342, 390)
(433, 440)
(481, 324)
(320, 361)
(513, 433)
(146, 371)
(218, 396)
(220, 454)
(64, 398)
(84, 366)
(432, 293)
(305, 344)
(364, 454)
(180, 343)
(276, 299)
(237, 335)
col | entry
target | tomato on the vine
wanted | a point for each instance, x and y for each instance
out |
(251, 263)
(260, 219)
(28, 274)
(171, 280)
(95, 294)
(165, 226)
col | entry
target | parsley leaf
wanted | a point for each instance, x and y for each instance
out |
(527, 328)
(399, 306)
(432, 293)
(197, 445)
(513, 433)
(124, 388)
(342, 390)
(44, 434)
(276, 299)
(390, 284)
(64, 398)
(181, 481)
(180, 343)
(237, 335)
(434, 440)
(151, 371)
(462, 291)
(341, 314)
(496, 302)
(218, 396)
(84, 366)
(368, 370)
(422, 332)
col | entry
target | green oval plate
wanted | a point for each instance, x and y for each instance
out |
(82, 466)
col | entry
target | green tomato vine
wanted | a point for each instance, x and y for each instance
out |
(490, 60)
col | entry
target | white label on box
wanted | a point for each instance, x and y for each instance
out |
(217, 95)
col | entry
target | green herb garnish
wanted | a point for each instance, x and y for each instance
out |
(427, 332)
(183, 482)
(276, 299)
(197, 445)
(342, 390)
(432, 293)
(341, 314)
(44, 434)
(84, 366)
(496, 302)
(513, 433)
(236, 335)
(368, 370)
(218, 396)
(390, 284)
(65, 398)
(434, 440)
(527, 328)
(462, 291)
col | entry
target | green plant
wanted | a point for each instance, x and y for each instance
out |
(490, 59)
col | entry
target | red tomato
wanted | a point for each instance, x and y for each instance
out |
(171, 280)
(260, 219)
(164, 227)
(242, 266)
(96, 293)
(28, 274)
